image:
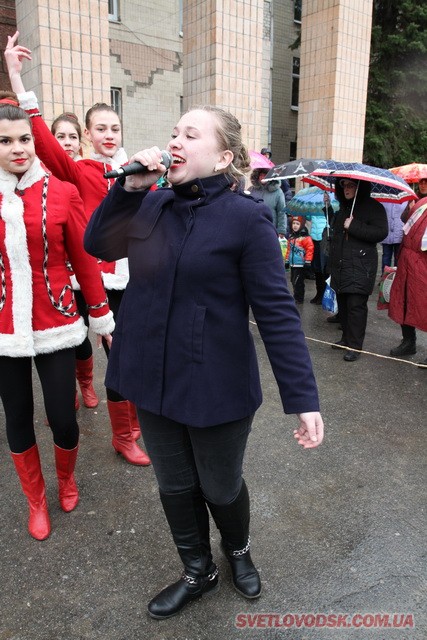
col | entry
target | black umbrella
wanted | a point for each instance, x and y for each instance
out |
(292, 169)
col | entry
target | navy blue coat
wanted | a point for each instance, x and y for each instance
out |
(199, 255)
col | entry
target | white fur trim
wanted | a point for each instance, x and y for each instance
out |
(12, 212)
(16, 346)
(28, 100)
(112, 281)
(102, 325)
(57, 338)
(118, 159)
(120, 277)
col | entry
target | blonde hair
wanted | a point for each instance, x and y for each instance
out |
(229, 135)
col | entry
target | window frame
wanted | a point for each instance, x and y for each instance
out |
(114, 15)
(295, 84)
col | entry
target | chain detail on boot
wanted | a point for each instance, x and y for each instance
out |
(246, 578)
(28, 468)
(188, 520)
(122, 440)
(84, 375)
(176, 596)
(65, 462)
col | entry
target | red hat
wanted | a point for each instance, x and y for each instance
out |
(300, 219)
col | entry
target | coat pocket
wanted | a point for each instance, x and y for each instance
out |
(197, 337)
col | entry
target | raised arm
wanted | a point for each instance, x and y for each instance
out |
(48, 148)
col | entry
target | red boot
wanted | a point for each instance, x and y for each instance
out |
(65, 462)
(134, 422)
(84, 374)
(122, 436)
(27, 465)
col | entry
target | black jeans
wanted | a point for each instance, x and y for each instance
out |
(185, 457)
(57, 373)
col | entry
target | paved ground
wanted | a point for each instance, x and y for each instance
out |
(340, 530)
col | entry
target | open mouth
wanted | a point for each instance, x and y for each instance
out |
(177, 160)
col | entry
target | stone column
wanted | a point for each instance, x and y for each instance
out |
(223, 44)
(70, 68)
(335, 47)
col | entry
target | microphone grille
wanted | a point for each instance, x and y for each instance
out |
(166, 159)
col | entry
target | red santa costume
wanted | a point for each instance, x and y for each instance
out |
(42, 224)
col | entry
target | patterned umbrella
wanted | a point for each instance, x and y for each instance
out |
(309, 201)
(292, 169)
(411, 173)
(386, 187)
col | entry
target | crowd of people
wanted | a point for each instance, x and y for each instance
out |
(167, 277)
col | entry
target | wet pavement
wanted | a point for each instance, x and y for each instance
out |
(338, 533)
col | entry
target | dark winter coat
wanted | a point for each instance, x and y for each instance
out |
(199, 255)
(353, 252)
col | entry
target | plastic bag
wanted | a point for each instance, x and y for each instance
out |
(284, 246)
(385, 287)
(329, 300)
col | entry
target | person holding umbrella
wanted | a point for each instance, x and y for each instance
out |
(359, 224)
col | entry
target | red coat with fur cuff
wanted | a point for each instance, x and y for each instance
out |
(87, 175)
(38, 312)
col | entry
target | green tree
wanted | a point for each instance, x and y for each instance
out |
(396, 122)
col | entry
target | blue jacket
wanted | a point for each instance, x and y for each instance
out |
(199, 255)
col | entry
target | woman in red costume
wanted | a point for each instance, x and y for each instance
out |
(41, 227)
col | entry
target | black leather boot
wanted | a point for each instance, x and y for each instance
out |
(232, 521)
(188, 519)
(406, 348)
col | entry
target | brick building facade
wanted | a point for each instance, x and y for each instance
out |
(153, 61)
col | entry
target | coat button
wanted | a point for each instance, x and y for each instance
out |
(194, 188)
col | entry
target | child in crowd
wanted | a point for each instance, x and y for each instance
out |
(299, 256)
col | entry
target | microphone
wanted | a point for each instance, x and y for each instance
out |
(137, 167)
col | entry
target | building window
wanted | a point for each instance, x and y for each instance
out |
(116, 100)
(297, 10)
(113, 10)
(292, 150)
(295, 83)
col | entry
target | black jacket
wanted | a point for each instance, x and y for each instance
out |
(353, 252)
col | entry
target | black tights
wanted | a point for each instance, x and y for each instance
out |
(84, 351)
(56, 372)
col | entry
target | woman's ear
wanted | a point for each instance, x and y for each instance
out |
(225, 160)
